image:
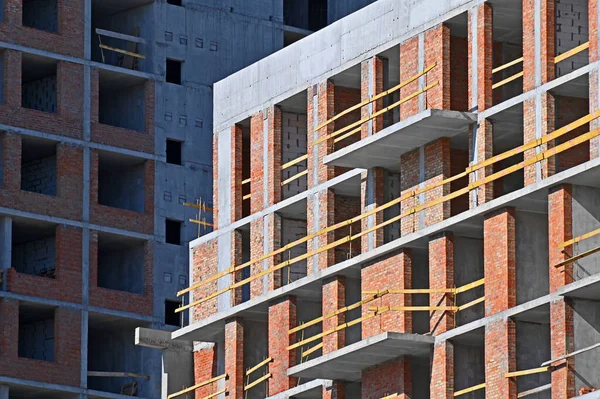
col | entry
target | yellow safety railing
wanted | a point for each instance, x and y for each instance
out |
(520, 373)
(469, 390)
(509, 79)
(200, 385)
(411, 211)
(265, 363)
(571, 52)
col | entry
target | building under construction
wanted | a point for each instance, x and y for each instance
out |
(407, 203)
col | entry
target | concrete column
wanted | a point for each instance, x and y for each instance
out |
(538, 43)
(282, 318)
(500, 269)
(539, 117)
(6, 246)
(442, 371)
(441, 276)
(480, 57)
(560, 229)
(234, 357)
(334, 298)
(372, 183)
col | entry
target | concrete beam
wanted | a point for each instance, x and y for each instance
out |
(310, 390)
(159, 339)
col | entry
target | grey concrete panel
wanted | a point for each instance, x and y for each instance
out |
(469, 368)
(586, 327)
(309, 390)
(586, 218)
(531, 255)
(533, 348)
(468, 267)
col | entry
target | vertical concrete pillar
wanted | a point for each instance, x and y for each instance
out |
(442, 371)
(539, 120)
(560, 229)
(321, 214)
(282, 318)
(372, 183)
(441, 276)
(334, 298)
(499, 245)
(5, 246)
(538, 43)
(234, 357)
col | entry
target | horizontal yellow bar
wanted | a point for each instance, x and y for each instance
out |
(527, 372)
(259, 365)
(312, 350)
(118, 50)
(255, 383)
(464, 391)
(247, 196)
(246, 181)
(580, 238)
(193, 388)
(470, 304)
(198, 206)
(201, 223)
(296, 176)
(576, 258)
(507, 80)
(470, 286)
(345, 136)
(294, 162)
(212, 395)
(571, 52)
(412, 308)
(507, 65)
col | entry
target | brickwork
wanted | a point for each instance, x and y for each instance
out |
(39, 176)
(316, 222)
(205, 368)
(500, 358)
(547, 37)
(334, 298)
(391, 377)
(441, 276)
(294, 145)
(293, 230)
(572, 29)
(282, 318)
(547, 167)
(324, 93)
(345, 208)
(459, 73)
(485, 47)
(569, 109)
(442, 371)
(265, 230)
(234, 357)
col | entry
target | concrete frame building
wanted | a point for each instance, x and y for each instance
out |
(105, 134)
(406, 205)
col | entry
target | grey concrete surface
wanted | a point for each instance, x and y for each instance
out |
(309, 390)
(531, 255)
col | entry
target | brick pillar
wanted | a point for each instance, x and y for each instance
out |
(282, 318)
(321, 213)
(480, 57)
(442, 371)
(265, 237)
(205, 368)
(236, 173)
(441, 276)
(12, 78)
(481, 142)
(560, 213)
(337, 390)
(234, 357)
(500, 294)
(334, 298)
(395, 273)
(499, 248)
(13, 12)
(593, 15)
(533, 130)
(11, 161)
(373, 180)
(394, 376)
(542, 51)
(69, 93)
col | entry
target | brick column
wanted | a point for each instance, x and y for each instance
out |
(373, 180)
(234, 357)
(394, 376)
(535, 128)
(334, 298)
(12, 78)
(594, 15)
(499, 246)
(205, 368)
(441, 276)
(282, 318)
(560, 213)
(11, 161)
(442, 371)
(13, 12)
(265, 237)
(236, 173)
(542, 52)
(481, 142)
(480, 57)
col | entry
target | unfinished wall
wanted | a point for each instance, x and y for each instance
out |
(292, 230)
(121, 187)
(40, 94)
(569, 109)
(36, 336)
(391, 191)
(293, 145)
(256, 349)
(586, 328)
(39, 175)
(468, 268)
(353, 295)
(123, 107)
(572, 29)
(469, 367)
(586, 218)
(121, 268)
(36, 257)
(533, 349)
(531, 237)
(41, 14)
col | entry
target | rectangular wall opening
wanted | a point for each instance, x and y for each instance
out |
(531, 232)
(174, 151)
(41, 14)
(293, 227)
(174, 71)
(121, 181)
(173, 231)
(172, 318)
(121, 263)
(294, 144)
(39, 83)
(469, 349)
(310, 15)
(36, 331)
(468, 268)
(459, 62)
(122, 101)
(244, 126)
(38, 166)
(509, 123)
(347, 207)
(346, 94)
(533, 349)
(308, 310)
(33, 248)
(586, 326)
(256, 350)
(572, 30)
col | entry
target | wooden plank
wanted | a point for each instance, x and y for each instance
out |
(507, 65)
(571, 52)
(117, 374)
(507, 80)
(312, 350)
(374, 115)
(576, 258)
(121, 36)
(246, 181)
(470, 286)
(259, 365)
(201, 223)
(247, 196)
(416, 291)
(345, 136)
(296, 176)
(390, 396)
(197, 206)
(577, 352)
(294, 162)
(534, 390)
(118, 50)
(212, 395)
(199, 385)
(255, 383)
(578, 239)
(376, 97)
(464, 391)
(470, 304)
(413, 308)
(527, 372)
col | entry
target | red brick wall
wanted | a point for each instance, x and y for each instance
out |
(66, 204)
(345, 208)
(234, 357)
(68, 119)
(122, 300)
(282, 318)
(485, 49)
(569, 109)
(547, 39)
(441, 276)
(205, 368)
(334, 298)
(344, 98)
(118, 136)
(442, 371)
(123, 218)
(69, 40)
(394, 376)
(484, 149)
(460, 161)
(500, 358)
(459, 71)
(67, 284)
(257, 241)
(64, 370)
(548, 166)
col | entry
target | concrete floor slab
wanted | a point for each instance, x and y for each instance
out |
(384, 148)
(347, 364)
(310, 390)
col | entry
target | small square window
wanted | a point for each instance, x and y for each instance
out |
(173, 232)
(174, 152)
(175, 2)
(174, 71)
(171, 318)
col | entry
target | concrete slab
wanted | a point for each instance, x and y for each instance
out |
(384, 148)
(310, 390)
(346, 364)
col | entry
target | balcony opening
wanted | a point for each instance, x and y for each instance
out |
(121, 181)
(38, 166)
(172, 318)
(39, 83)
(33, 249)
(572, 30)
(509, 123)
(294, 143)
(243, 293)
(121, 263)
(468, 261)
(41, 14)
(36, 332)
(122, 101)
(533, 347)
(293, 227)
(459, 62)
(174, 71)
(256, 333)
(241, 162)
(174, 152)
(173, 231)
(470, 349)
(347, 205)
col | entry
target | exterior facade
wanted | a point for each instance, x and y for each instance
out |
(405, 205)
(106, 128)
